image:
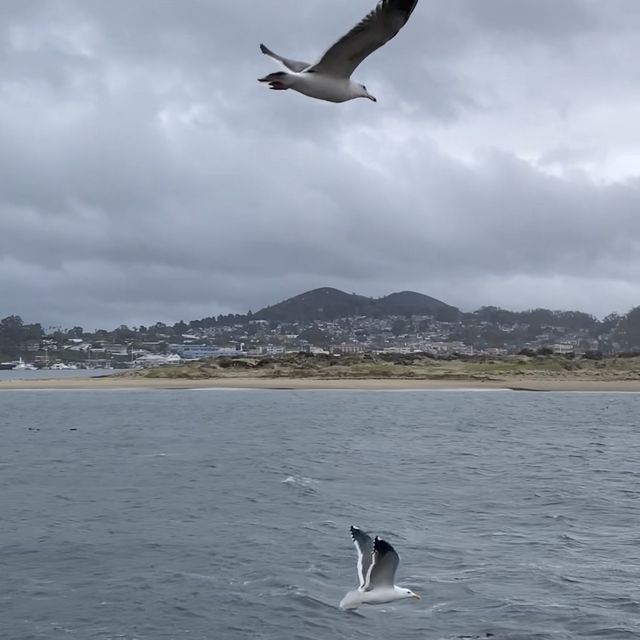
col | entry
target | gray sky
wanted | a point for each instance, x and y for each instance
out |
(145, 175)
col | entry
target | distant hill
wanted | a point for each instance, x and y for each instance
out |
(319, 304)
(329, 304)
(410, 303)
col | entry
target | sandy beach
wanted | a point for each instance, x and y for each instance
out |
(132, 383)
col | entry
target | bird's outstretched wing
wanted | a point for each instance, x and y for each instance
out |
(293, 65)
(364, 547)
(376, 29)
(383, 568)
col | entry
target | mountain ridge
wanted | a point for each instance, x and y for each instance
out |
(329, 303)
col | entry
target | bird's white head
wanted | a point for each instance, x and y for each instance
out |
(363, 93)
(407, 593)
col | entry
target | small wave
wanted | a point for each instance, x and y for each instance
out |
(574, 539)
(197, 576)
(301, 481)
(617, 633)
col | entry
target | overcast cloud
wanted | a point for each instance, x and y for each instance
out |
(145, 175)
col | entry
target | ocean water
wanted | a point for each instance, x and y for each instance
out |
(214, 515)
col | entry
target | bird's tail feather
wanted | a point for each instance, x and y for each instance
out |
(272, 77)
(280, 80)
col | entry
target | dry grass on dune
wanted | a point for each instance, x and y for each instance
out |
(402, 367)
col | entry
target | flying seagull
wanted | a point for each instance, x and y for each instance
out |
(330, 78)
(377, 564)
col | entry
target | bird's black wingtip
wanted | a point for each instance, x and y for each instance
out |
(381, 546)
(406, 7)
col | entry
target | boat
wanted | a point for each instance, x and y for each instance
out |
(23, 366)
(7, 366)
(61, 366)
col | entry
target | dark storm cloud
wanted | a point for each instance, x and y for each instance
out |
(146, 176)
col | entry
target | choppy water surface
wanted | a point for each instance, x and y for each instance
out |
(224, 514)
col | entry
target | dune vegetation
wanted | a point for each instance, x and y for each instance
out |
(408, 367)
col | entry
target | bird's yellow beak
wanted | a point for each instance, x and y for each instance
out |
(417, 596)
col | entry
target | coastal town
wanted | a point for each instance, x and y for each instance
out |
(323, 321)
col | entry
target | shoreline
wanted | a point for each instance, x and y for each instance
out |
(281, 383)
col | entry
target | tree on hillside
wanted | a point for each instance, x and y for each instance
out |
(631, 328)
(14, 334)
(495, 315)
(76, 332)
(180, 327)
(123, 334)
(611, 322)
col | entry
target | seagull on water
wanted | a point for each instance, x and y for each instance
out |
(377, 564)
(330, 78)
